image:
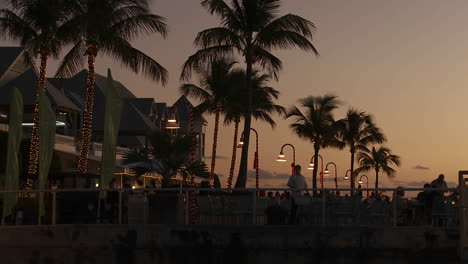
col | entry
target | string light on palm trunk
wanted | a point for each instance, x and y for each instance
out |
(88, 111)
(34, 143)
(233, 159)
(215, 144)
(191, 195)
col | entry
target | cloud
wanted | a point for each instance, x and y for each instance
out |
(419, 167)
(263, 174)
(221, 157)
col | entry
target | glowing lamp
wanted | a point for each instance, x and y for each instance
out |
(281, 157)
(346, 178)
(360, 182)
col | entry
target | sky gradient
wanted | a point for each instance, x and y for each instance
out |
(402, 61)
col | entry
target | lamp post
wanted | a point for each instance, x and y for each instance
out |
(256, 167)
(367, 180)
(346, 177)
(281, 156)
(312, 166)
(336, 173)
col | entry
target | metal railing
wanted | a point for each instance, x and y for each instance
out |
(239, 206)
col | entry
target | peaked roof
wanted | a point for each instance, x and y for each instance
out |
(9, 55)
(27, 84)
(183, 106)
(77, 85)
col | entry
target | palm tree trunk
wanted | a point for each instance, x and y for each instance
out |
(215, 143)
(316, 168)
(352, 170)
(87, 128)
(234, 152)
(242, 176)
(34, 147)
(376, 179)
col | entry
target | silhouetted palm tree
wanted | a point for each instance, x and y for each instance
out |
(252, 29)
(214, 90)
(263, 107)
(357, 131)
(316, 124)
(378, 159)
(38, 27)
(167, 155)
(108, 27)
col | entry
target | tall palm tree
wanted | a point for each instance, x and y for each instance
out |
(38, 26)
(378, 159)
(251, 28)
(263, 107)
(107, 27)
(213, 92)
(357, 130)
(316, 124)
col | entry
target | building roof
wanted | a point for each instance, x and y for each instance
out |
(182, 106)
(27, 84)
(135, 111)
(9, 55)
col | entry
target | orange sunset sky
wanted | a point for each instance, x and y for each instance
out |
(403, 61)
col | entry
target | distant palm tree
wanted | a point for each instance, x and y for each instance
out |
(108, 27)
(263, 107)
(357, 130)
(38, 26)
(252, 29)
(167, 155)
(317, 125)
(378, 159)
(214, 90)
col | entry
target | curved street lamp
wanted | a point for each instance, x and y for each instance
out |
(367, 180)
(312, 167)
(327, 172)
(281, 157)
(346, 177)
(256, 167)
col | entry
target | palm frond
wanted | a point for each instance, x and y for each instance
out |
(203, 57)
(194, 91)
(134, 25)
(136, 60)
(216, 37)
(72, 62)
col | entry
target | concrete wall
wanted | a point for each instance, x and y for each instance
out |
(224, 244)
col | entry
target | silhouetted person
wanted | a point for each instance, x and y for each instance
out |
(297, 183)
(439, 183)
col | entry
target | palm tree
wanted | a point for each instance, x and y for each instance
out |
(108, 27)
(167, 155)
(252, 29)
(317, 125)
(263, 107)
(215, 85)
(358, 130)
(38, 26)
(377, 159)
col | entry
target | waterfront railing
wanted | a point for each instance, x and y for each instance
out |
(186, 206)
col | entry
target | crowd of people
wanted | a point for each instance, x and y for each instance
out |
(406, 210)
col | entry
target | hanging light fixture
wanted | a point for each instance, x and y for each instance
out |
(281, 157)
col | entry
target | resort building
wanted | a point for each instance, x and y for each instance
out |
(139, 116)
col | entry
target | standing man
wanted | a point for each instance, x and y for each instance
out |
(298, 183)
(439, 183)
